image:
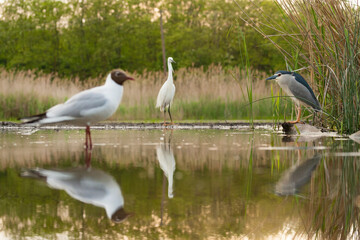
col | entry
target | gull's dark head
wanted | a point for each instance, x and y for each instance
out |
(120, 77)
(120, 215)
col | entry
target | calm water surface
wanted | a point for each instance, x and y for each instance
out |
(193, 184)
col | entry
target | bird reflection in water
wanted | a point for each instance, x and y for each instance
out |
(166, 159)
(297, 176)
(86, 184)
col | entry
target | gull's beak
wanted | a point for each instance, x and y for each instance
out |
(130, 78)
(272, 77)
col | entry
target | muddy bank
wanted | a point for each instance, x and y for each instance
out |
(127, 125)
(288, 129)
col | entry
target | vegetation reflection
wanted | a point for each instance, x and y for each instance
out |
(225, 185)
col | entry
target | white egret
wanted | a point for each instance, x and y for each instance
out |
(87, 107)
(167, 92)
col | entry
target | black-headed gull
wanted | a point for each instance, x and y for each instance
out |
(167, 92)
(86, 107)
(87, 185)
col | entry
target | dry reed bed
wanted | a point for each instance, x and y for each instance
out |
(41, 86)
(192, 85)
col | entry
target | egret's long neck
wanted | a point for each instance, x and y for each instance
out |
(170, 74)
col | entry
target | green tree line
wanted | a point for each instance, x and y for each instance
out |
(88, 38)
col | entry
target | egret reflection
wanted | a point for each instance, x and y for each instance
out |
(297, 176)
(166, 159)
(88, 185)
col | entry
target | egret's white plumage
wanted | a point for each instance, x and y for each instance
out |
(87, 185)
(87, 107)
(167, 91)
(166, 159)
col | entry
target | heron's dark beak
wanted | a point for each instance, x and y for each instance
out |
(272, 77)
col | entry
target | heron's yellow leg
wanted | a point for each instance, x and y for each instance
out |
(298, 116)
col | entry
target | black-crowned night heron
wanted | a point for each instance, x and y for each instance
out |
(298, 89)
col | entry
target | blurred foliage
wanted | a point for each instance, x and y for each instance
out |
(88, 38)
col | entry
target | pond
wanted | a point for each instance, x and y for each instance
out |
(197, 184)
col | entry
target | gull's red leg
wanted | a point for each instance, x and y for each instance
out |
(88, 144)
(87, 158)
(86, 139)
(90, 138)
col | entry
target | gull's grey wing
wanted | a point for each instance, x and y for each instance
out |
(78, 104)
(302, 93)
(76, 187)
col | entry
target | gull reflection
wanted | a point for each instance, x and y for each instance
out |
(297, 176)
(166, 159)
(88, 185)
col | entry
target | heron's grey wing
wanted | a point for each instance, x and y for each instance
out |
(302, 173)
(78, 104)
(304, 95)
(296, 176)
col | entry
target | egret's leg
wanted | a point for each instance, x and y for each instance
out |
(298, 116)
(164, 117)
(170, 115)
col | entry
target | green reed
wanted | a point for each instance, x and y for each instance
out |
(332, 212)
(14, 106)
(322, 39)
(246, 65)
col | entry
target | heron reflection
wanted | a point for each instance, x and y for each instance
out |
(88, 185)
(296, 177)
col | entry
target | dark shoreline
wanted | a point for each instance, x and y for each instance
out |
(127, 125)
(286, 128)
